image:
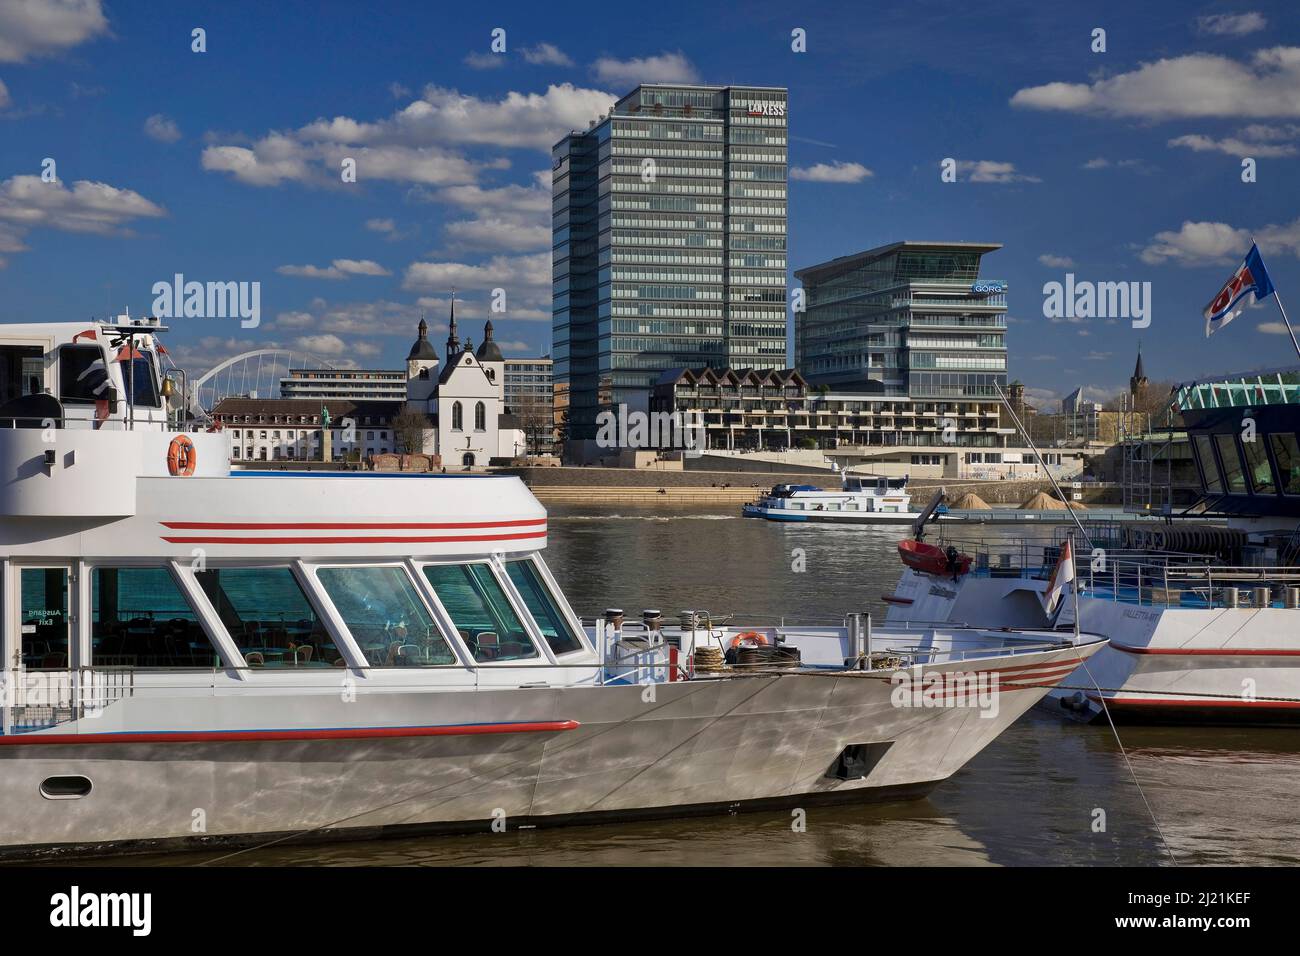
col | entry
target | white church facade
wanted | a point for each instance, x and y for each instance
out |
(465, 400)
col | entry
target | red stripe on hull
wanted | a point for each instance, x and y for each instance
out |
(1208, 651)
(357, 539)
(335, 733)
(1196, 704)
(344, 525)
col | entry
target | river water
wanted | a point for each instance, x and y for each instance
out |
(1046, 792)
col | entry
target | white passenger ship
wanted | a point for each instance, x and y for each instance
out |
(195, 655)
(861, 499)
(1203, 622)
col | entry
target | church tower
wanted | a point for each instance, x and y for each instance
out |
(1137, 385)
(421, 368)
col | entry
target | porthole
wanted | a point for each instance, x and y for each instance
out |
(69, 787)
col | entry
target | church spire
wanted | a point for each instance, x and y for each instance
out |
(453, 343)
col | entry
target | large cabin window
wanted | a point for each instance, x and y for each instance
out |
(481, 611)
(140, 618)
(385, 616)
(544, 608)
(1287, 454)
(1209, 468)
(1259, 469)
(269, 617)
(1234, 477)
(83, 377)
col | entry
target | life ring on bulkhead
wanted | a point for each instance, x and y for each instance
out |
(751, 638)
(181, 457)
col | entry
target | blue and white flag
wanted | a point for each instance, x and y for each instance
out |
(1251, 278)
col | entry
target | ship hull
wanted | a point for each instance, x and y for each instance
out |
(554, 756)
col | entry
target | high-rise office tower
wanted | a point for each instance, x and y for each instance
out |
(669, 242)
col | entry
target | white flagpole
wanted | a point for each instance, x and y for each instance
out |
(1289, 330)
(1074, 586)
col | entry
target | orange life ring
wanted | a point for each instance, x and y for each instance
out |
(752, 636)
(181, 457)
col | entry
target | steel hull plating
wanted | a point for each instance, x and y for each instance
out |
(636, 750)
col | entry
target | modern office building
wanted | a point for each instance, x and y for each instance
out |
(669, 236)
(530, 396)
(345, 384)
(908, 318)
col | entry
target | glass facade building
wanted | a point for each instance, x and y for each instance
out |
(669, 242)
(909, 318)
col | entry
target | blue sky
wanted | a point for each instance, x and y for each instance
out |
(224, 166)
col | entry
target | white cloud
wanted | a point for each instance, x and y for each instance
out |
(329, 346)
(1272, 328)
(498, 233)
(991, 171)
(516, 347)
(26, 203)
(546, 54)
(1231, 24)
(1101, 162)
(1056, 262)
(1204, 243)
(484, 61)
(5, 100)
(1256, 140)
(274, 159)
(1194, 85)
(1197, 243)
(161, 128)
(382, 317)
(411, 145)
(338, 269)
(833, 172)
(33, 28)
(508, 272)
(386, 226)
(664, 68)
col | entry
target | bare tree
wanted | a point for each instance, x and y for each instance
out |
(409, 426)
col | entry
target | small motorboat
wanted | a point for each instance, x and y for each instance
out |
(931, 559)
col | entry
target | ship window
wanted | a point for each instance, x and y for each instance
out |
(1234, 478)
(268, 616)
(43, 618)
(1261, 472)
(22, 371)
(1213, 483)
(83, 377)
(140, 618)
(1287, 453)
(139, 381)
(543, 607)
(479, 608)
(386, 617)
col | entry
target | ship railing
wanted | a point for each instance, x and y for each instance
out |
(1189, 584)
(40, 699)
